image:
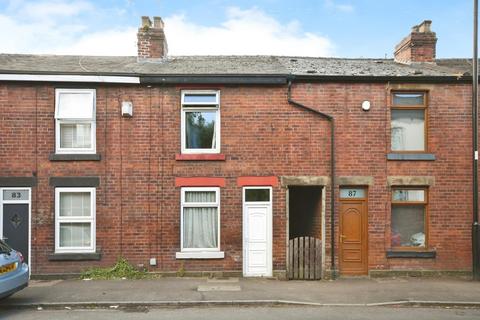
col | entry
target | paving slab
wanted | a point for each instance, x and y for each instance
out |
(176, 291)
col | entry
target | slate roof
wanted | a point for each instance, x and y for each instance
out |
(229, 65)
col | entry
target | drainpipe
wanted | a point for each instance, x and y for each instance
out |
(475, 226)
(332, 168)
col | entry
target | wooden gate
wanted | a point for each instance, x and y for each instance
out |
(304, 258)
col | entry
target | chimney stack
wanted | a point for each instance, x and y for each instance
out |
(151, 40)
(418, 46)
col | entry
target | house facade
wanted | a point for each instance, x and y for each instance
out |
(224, 164)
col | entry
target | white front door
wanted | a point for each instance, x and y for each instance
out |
(257, 232)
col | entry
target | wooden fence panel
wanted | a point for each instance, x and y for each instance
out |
(304, 258)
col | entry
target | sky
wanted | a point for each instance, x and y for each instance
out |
(325, 28)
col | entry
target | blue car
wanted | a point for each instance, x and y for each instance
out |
(13, 271)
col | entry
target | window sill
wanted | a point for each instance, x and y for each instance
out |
(75, 157)
(200, 157)
(411, 156)
(200, 255)
(75, 256)
(411, 254)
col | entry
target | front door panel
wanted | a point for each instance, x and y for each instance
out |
(257, 240)
(15, 227)
(353, 237)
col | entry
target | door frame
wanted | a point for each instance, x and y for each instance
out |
(245, 205)
(29, 202)
(364, 200)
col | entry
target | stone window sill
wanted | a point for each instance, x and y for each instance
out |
(200, 255)
(75, 157)
(411, 156)
(411, 254)
(75, 256)
(200, 157)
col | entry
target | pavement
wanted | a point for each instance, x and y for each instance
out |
(243, 292)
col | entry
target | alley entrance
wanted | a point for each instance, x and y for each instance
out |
(305, 232)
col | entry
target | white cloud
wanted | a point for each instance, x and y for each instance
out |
(346, 8)
(243, 32)
(61, 27)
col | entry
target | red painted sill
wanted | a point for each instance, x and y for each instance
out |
(200, 157)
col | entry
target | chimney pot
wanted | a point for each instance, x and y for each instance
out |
(146, 22)
(425, 26)
(157, 23)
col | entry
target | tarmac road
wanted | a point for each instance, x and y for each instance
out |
(237, 313)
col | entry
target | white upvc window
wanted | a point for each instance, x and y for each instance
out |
(74, 220)
(200, 118)
(75, 121)
(200, 223)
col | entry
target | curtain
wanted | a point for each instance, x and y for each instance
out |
(75, 135)
(74, 204)
(200, 196)
(200, 224)
(408, 130)
(75, 234)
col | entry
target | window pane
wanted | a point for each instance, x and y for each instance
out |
(408, 130)
(200, 98)
(257, 194)
(200, 196)
(75, 234)
(408, 226)
(75, 204)
(75, 135)
(352, 193)
(408, 99)
(15, 194)
(408, 195)
(200, 129)
(75, 106)
(200, 228)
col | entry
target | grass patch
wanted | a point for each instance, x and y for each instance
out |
(121, 270)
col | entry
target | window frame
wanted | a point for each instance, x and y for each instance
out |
(426, 217)
(184, 204)
(423, 107)
(199, 107)
(60, 121)
(91, 220)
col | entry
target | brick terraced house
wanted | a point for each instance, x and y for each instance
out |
(250, 165)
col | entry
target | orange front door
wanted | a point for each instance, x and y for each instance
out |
(353, 237)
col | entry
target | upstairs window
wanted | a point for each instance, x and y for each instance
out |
(75, 121)
(408, 123)
(200, 122)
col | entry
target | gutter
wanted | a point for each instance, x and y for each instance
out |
(68, 78)
(332, 168)
(214, 79)
(382, 79)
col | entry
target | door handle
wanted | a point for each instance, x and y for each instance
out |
(342, 237)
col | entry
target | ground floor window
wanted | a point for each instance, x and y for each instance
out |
(409, 218)
(200, 219)
(74, 220)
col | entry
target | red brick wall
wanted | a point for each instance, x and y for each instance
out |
(138, 205)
